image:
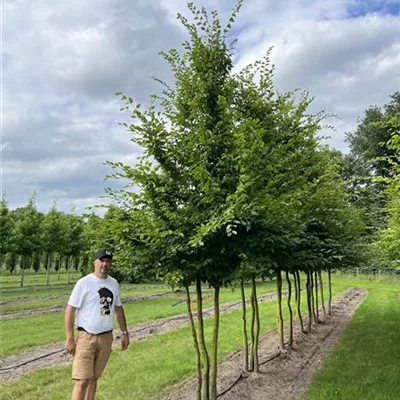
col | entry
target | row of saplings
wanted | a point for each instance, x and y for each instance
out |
(207, 364)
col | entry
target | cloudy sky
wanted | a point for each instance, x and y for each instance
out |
(62, 62)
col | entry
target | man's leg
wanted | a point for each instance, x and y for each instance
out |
(83, 364)
(80, 389)
(91, 389)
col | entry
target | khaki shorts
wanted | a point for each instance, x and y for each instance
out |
(91, 355)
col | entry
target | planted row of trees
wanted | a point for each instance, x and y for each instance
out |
(51, 241)
(234, 187)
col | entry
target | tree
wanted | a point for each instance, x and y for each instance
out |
(6, 227)
(72, 239)
(27, 233)
(52, 236)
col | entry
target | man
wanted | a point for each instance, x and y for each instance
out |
(95, 299)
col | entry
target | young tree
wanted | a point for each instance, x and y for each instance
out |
(52, 237)
(27, 233)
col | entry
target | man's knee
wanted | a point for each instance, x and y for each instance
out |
(82, 384)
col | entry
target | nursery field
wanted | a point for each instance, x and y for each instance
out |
(359, 358)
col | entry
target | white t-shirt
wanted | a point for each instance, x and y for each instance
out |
(95, 300)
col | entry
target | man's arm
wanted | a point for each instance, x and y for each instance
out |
(69, 319)
(120, 314)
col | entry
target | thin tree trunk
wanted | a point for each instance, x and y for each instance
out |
(59, 267)
(214, 358)
(254, 299)
(48, 269)
(279, 315)
(67, 265)
(252, 333)
(298, 300)
(22, 264)
(245, 336)
(330, 291)
(312, 295)
(316, 296)
(310, 314)
(289, 304)
(203, 347)
(321, 285)
(195, 342)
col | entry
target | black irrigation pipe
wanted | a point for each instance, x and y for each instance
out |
(29, 361)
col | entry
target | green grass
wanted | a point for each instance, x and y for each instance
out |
(366, 362)
(36, 278)
(35, 304)
(52, 330)
(147, 369)
(43, 291)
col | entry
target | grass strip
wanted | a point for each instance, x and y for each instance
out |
(52, 330)
(365, 363)
(148, 368)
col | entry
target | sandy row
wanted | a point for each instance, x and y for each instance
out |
(288, 375)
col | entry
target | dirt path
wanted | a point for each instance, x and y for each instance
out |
(288, 374)
(12, 367)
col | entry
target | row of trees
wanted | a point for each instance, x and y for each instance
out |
(234, 187)
(51, 241)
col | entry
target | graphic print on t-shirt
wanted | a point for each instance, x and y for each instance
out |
(106, 300)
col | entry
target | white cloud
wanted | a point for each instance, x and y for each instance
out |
(63, 61)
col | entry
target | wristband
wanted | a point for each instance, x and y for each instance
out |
(125, 332)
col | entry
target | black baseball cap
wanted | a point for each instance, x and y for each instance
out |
(103, 254)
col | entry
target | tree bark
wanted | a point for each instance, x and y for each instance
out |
(316, 297)
(254, 299)
(195, 343)
(321, 286)
(330, 291)
(67, 266)
(279, 315)
(244, 325)
(203, 347)
(296, 275)
(22, 263)
(214, 359)
(252, 325)
(310, 314)
(289, 304)
(48, 270)
(312, 296)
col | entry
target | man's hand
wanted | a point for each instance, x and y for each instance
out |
(125, 341)
(70, 346)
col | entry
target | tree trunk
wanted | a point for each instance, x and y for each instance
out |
(254, 299)
(195, 342)
(310, 314)
(67, 266)
(279, 315)
(245, 336)
(22, 264)
(252, 333)
(59, 267)
(297, 280)
(316, 297)
(48, 269)
(289, 304)
(312, 296)
(321, 285)
(330, 292)
(214, 358)
(203, 347)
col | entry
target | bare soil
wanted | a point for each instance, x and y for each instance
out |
(11, 367)
(283, 375)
